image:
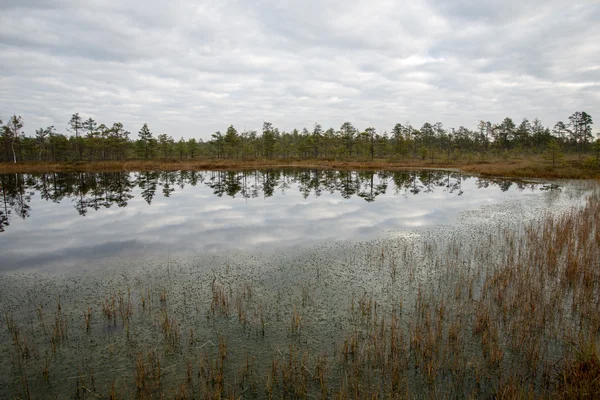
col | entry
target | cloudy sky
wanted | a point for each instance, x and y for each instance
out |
(189, 68)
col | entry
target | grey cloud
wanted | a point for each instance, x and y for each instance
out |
(190, 68)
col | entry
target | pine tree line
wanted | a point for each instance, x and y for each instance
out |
(86, 140)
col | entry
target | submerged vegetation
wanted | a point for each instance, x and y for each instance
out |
(501, 307)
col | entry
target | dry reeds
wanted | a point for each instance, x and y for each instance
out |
(529, 167)
(512, 314)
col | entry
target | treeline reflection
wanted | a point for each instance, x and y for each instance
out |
(94, 190)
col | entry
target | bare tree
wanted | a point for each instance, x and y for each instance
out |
(13, 129)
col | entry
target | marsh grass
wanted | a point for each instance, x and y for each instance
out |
(572, 167)
(501, 310)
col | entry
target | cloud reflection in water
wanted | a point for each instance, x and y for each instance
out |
(84, 219)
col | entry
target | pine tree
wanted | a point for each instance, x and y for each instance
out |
(75, 126)
(231, 140)
(269, 139)
(553, 153)
(146, 139)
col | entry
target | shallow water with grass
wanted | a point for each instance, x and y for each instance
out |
(293, 284)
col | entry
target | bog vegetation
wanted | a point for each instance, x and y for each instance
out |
(86, 140)
(504, 310)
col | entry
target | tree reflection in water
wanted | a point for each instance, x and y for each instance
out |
(95, 190)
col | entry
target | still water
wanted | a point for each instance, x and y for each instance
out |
(86, 220)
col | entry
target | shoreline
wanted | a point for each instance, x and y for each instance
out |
(519, 168)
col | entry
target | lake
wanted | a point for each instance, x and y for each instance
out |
(289, 283)
(81, 220)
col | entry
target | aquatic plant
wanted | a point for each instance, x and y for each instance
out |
(506, 308)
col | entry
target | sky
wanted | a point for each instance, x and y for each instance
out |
(190, 68)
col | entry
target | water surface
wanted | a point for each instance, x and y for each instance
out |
(285, 269)
(50, 221)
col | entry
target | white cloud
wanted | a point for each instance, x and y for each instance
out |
(189, 68)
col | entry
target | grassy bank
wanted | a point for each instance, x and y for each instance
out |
(503, 310)
(533, 167)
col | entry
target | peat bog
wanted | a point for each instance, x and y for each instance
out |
(298, 283)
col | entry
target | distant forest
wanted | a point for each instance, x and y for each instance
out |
(88, 140)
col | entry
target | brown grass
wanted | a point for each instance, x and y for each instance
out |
(572, 168)
(211, 164)
(533, 167)
(580, 376)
